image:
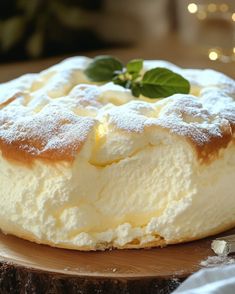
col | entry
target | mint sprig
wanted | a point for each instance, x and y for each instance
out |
(162, 82)
(155, 83)
(134, 66)
(103, 68)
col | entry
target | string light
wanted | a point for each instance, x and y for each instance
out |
(217, 54)
(192, 8)
(212, 10)
(213, 55)
(233, 16)
(201, 10)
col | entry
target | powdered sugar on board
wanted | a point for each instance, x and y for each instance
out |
(215, 261)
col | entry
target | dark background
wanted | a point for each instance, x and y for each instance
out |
(35, 28)
(198, 33)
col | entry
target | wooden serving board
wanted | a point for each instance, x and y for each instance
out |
(27, 267)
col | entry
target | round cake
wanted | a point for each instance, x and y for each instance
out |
(88, 166)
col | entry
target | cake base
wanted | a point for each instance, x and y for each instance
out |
(27, 267)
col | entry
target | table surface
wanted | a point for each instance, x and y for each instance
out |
(170, 48)
(173, 261)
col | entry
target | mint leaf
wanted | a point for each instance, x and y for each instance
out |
(156, 83)
(162, 82)
(103, 68)
(134, 66)
(118, 81)
(135, 89)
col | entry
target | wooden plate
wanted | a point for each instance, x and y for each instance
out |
(31, 268)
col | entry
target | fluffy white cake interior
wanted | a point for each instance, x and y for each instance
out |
(144, 174)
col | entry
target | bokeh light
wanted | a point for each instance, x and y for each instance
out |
(213, 54)
(192, 8)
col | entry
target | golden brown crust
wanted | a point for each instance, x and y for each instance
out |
(50, 136)
(135, 244)
(8, 100)
(14, 151)
(211, 150)
(50, 129)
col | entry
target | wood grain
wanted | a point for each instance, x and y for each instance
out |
(127, 271)
(175, 260)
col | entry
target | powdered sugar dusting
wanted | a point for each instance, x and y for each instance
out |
(53, 133)
(51, 114)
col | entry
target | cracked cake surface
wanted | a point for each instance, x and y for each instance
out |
(88, 166)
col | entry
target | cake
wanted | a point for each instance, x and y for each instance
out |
(87, 166)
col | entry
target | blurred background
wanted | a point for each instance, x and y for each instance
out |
(189, 33)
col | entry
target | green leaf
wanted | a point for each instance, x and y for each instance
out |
(118, 81)
(156, 83)
(134, 66)
(135, 75)
(162, 82)
(135, 89)
(102, 68)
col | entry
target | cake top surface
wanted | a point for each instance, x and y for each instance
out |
(53, 114)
